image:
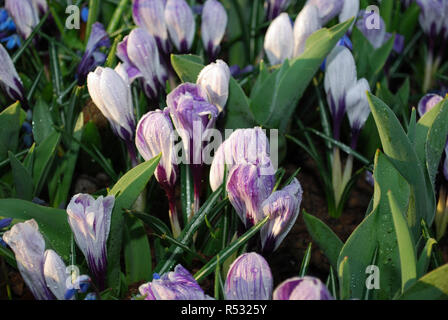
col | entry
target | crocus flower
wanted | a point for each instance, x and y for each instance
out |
(154, 136)
(150, 15)
(305, 288)
(340, 77)
(377, 37)
(307, 22)
(283, 208)
(176, 285)
(92, 57)
(214, 79)
(24, 14)
(243, 145)
(349, 10)
(249, 278)
(433, 17)
(111, 93)
(43, 271)
(9, 79)
(358, 109)
(274, 7)
(428, 102)
(213, 27)
(140, 57)
(181, 24)
(247, 187)
(89, 220)
(279, 40)
(328, 9)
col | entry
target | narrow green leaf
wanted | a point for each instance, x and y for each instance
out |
(425, 257)
(433, 286)
(305, 261)
(22, 179)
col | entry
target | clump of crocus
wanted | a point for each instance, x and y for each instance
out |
(154, 136)
(214, 79)
(140, 57)
(180, 23)
(9, 79)
(283, 208)
(302, 288)
(43, 271)
(213, 27)
(433, 20)
(176, 285)
(111, 93)
(345, 94)
(150, 15)
(274, 8)
(426, 104)
(192, 116)
(90, 220)
(93, 57)
(249, 278)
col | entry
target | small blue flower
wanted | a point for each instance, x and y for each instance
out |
(155, 276)
(85, 14)
(69, 294)
(11, 41)
(5, 223)
(90, 296)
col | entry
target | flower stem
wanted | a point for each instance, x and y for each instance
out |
(336, 174)
(174, 219)
(428, 72)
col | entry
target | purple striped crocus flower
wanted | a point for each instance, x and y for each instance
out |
(433, 17)
(249, 278)
(279, 40)
(176, 285)
(307, 22)
(90, 220)
(93, 57)
(302, 288)
(181, 24)
(24, 14)
(273, 8)
(358, 109)
(9, 79)
(428, 102)
(213, 27)
(43, 271)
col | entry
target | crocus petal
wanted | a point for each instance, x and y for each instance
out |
(307, 22)
(428, 102)
(89, 220)
(283, 208)
(24, 15)
(154, 136)
(357, 105)
(248, 187)
(150, 15)
(328, 9)
(249, 278)
(433, 17)
(279, 40)
(349, 10)
(376, 37)
(9, 79)
(29, 247)
(305, 288)
(214, 79)
(181, 24)
(243, 145)
(274, 7)
(214, 23)
(55, 274)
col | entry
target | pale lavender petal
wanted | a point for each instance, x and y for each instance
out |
(181, 24)
(55, 274)
(328, 9)
(9, 79)
(213, 28)
(428, 102)
(24, 14)
(306, 288)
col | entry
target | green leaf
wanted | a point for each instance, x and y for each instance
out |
(408, 262)
(153, 222)
(42, 122)
(433, 286)
(305, 261)
(344, 279)
(52, 222)
(187, 67)
(425, 257)
(326, 239)
(126, 192)
(275, 101)
(9, 135)
(22, 178)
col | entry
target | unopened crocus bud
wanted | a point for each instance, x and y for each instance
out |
(176, 285)
(302, 288)
(283, 208)
(307, 22)
(340, 77)
(140, 57)
(181, 24)
(24, 14)
(249, 278)
(273, 8)
(248, 185)
(279, 40)
(9, 79)
(213, 27)
(428, 102)
(43, 271)
(89, 220)
(243, 145)
(150, 15)
(111, 93)
(349, 10)
(358, 109)
(92, 57)
(433, 17)
(376, 36)
(214, 79)
(328, 9)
